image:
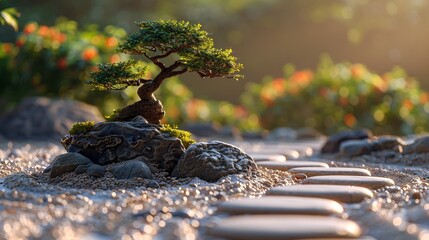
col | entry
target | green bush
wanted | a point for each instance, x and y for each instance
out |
(339, 96)
(54, 61)
(181, 107)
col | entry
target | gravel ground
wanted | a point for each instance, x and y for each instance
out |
(78, 206)
(32, 206)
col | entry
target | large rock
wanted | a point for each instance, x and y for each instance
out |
(110, 142)
(333, 143)
(44, 118)
(212, 160)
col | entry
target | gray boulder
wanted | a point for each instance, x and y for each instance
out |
(132, 169)
(112, 142)
(213, 160)
(67, 162)
(45, 119)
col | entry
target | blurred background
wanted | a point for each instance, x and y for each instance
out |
(327, 65)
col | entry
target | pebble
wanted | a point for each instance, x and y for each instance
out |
(319, 171)
(363, 181)
(340, 193)
(353, 148)
(67, 162)
(258, 157)
(284, 166)
(267, 227)
(95, 170)
(132, 169)
(281, 205)
(332, 145)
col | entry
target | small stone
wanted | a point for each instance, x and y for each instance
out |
(282, 134)
(67, 162)
(267, 157)
(362, 181)
(333, 143)
(284, 166)
(82, 168)
(353, 148)
(319, 171)
(95, 170)
(386, 143)
(132, 169)
(281, 205)
(345, 194)
(420, 145)
(213, 160)
(152, 184)
(268, 227)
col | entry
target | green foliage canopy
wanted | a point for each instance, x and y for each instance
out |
(156, 40)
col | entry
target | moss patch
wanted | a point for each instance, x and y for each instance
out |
(183, 135)
(81, 127)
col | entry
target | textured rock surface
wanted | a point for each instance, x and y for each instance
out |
(44, 118)
(333, 143)
(420, 145)
(212, 160)
(110, 142)
(132, 169)
(67, 162)
(352, 148)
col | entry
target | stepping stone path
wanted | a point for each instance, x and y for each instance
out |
(269, 227)
(258, 157)
(319, 171)
(281, 205)
(344, 194)
(310, 210)
(362, 181)
(285, 166)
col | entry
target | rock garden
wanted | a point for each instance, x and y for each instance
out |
(67, 172)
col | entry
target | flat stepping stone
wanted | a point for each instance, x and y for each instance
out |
(362, 181)
(344, 194)
(285, 166)
(281, 205)
(258, 157)
(320, 171)
(269, 227)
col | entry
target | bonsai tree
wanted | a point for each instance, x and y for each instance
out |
(175, 47)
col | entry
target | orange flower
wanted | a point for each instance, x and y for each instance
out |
(240, 112)
(302, 77)
(349, 120)
(424, 98)
(344, 101)
(357, 70)
(20, 42)
(278, 84)
(408, 104)
(323, 92)
(115, 58)
(7, 48)
(89, 53)
(44, 31)
(62, 63)
(30, 28)
(111, 42)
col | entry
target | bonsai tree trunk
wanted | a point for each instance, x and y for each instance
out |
(148, 107)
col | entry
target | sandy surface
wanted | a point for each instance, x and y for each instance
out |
(32, 206)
